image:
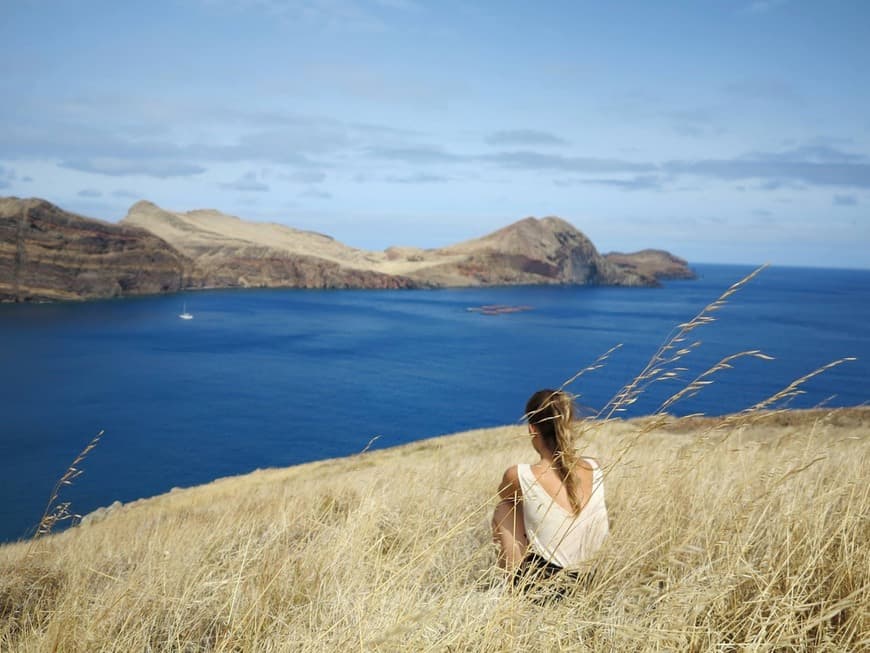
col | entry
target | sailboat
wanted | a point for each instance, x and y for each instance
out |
(184, 314)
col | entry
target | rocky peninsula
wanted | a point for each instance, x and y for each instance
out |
(48, 254)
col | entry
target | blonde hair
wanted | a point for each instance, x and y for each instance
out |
(552, 413)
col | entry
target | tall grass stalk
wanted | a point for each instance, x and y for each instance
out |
(59, 511)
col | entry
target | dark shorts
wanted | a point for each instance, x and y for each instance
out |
(544, 579)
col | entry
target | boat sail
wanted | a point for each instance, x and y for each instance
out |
(184, 314)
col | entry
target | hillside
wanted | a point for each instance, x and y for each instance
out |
(742, 532)
(230, 252)
(49, 254)
(530, 251)
(548, 250)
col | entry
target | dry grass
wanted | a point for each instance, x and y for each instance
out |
(758, 539)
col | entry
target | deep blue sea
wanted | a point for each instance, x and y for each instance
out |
(268, 378)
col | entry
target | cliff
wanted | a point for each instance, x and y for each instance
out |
(49, 254)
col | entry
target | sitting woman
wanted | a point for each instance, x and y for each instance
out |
(552, 514)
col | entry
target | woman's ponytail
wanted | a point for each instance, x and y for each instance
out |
(552, 413)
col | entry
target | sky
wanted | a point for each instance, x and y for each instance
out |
(723, 131)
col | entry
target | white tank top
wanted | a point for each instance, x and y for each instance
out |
(553, 532)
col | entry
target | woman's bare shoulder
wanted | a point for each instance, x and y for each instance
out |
(509, 488)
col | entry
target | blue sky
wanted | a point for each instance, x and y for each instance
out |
(722, 131)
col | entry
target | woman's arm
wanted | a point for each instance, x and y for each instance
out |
(509, 489)
(508, 525)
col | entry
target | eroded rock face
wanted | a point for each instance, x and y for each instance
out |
(269, 269)
(49, 254)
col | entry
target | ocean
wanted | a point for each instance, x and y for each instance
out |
(269, 378)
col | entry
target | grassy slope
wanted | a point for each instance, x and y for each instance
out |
(756, 536)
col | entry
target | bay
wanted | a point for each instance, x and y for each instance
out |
(267, 378)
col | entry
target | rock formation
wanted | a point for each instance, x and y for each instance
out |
(531, 251)
(231, 251)
(49, 254)
(655, 263)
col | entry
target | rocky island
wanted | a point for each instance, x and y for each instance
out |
(47, 254)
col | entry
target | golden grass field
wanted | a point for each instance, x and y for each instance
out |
(726, 535)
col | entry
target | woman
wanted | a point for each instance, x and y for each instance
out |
(552, 514)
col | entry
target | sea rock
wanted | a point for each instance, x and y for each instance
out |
(655, 263)
(47, 253)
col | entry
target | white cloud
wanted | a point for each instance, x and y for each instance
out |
(638, 182)
(764, 6)
(401, 5)
(417, 178)
(126, 194)
(304, 177)
(524, 138)
(845, 200)
(246, 183)
(317, 194)
(7, 175)
(123, 167)
(333, 15)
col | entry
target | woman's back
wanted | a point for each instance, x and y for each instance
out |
(550, 480)
(554, 531)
